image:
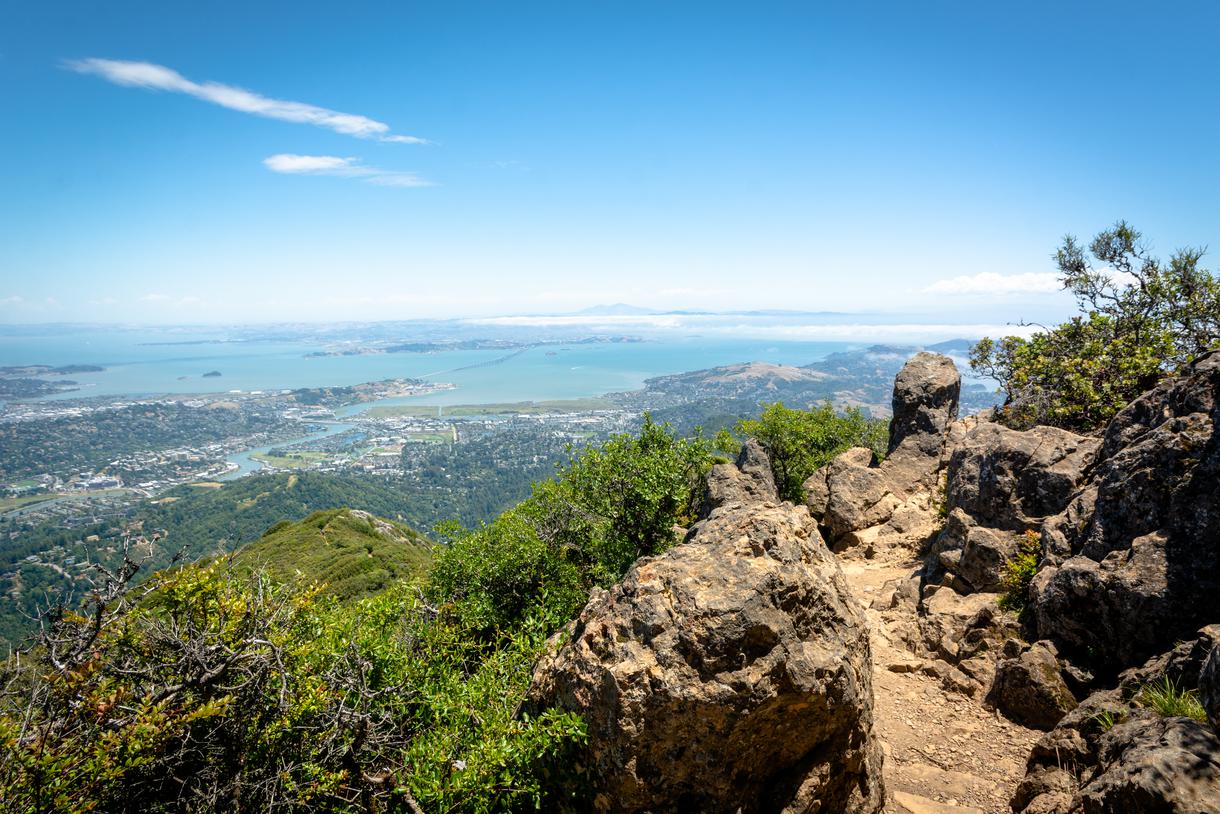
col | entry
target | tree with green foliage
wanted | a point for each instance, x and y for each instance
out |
(607, 507)
(800, 441)
(1141, 319)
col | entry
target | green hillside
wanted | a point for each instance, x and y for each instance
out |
(349, 552)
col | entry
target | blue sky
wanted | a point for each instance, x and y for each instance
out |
(908, 157)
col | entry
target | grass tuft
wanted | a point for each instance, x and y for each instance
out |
(1170, 701)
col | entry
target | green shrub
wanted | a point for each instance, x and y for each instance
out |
(800, 441)
(231, 693)
(607, 507)
(1019, 572)
(1169, 701)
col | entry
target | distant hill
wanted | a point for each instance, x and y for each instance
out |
(349, 552)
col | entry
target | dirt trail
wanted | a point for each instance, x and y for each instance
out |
(944, 753)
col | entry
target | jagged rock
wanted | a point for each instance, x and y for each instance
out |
(1155, 764)
(1111, 613)
(747, 481)
(1140, 545)
(1115, 755)
(1001, 482)
(1009, 479)
(1183, 665)
(1030, 690)
(946, 618)
(817, 489)
(974, 553)
(731, 673)
(1209, 687)
(861, 502)
(926, 395)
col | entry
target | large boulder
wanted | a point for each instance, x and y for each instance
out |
(1010, 479)
(730, 674)
(1134, 559)
(1030, 688)
(859, 501)
(1154, 764)
(747, 481)
(926, 396)
(1113, 753)
(1000, 483)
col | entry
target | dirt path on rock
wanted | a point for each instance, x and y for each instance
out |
(944, 753)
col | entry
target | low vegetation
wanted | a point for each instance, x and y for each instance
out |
(1140, 319)
(800, 441)
(1019, 572)
(1169, 700)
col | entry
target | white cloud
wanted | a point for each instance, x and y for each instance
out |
(988, 282)
(157, 77)
(292, 164)
(288, 162)
(13, 300)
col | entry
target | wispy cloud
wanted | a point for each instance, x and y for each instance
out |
(150, 76)
(13, 300)
(291, 164)
(990, 283)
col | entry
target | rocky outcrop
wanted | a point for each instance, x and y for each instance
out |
(731, 673)
(1001, 483)
(1030, 689)
(864, 504)
(926, 395)
(1116, 753)
(1133, 562)
(749, 480)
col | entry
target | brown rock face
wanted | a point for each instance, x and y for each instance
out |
(1009, 479)
(730, 674)
(1000, 483)
(749, 480)
(1138, 549)
(892, 501)
(1030, 689)
(926, 395)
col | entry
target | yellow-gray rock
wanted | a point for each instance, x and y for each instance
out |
(730, 674)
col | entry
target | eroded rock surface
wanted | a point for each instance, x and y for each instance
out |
(749, 480)
(1134, 560)
(1029, 688)
(1000, 484)
(1116, 753)
(863, 504)
(732, 673)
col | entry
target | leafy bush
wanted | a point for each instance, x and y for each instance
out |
(230, 693)
(606, 508)
(1169, 701)
(800, 441)
(1019, 572)
(1141, 319)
